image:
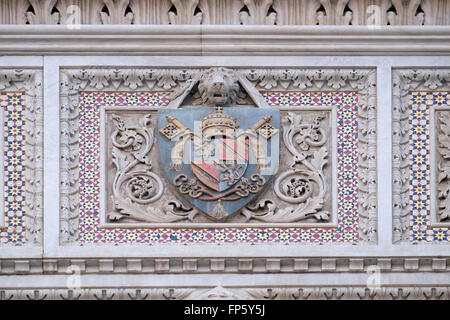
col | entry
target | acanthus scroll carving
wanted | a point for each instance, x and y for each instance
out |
(134, 184)
(305, 184)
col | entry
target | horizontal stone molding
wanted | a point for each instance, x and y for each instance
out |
(229, 12)
(231, 265)
(224, 40)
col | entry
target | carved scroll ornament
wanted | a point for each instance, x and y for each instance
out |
(304, 184)
(132, 186)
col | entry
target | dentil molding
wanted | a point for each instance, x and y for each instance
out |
(229, 265)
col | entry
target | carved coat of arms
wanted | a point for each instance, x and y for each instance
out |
(218, 143)
(219, 156)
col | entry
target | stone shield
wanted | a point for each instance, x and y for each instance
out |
(219, 160)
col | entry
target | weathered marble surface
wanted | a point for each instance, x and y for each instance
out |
(49, 264)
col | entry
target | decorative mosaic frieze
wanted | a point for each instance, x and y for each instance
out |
(419, 151)
(232, 12)
(88, 227)
(20, 105)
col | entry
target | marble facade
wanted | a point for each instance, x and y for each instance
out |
(358, 208)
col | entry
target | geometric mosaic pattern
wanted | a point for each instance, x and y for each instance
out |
(90, 104)
(146, 99)
(420, 107)
(13, 107)
(295, 98)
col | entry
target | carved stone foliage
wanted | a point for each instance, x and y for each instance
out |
(258, 12)
(134, 182)
(404, 82)
(406, 13)
(302, 188)
(72, 83)
(30, 83)
(220, 11)
(185, 12)
(364, 82)
(304, 184)
(292, 12)
(233, 12)
(221, 293)
(370, 12)
(334, 13)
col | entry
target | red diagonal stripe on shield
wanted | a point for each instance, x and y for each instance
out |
(231, 150)
(206, 173)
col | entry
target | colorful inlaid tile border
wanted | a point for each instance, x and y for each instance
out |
(13, 107)
(420, 108)
(90, 104)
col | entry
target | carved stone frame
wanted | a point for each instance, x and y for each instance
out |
(74, 81)
(29, 82)
(403, 82)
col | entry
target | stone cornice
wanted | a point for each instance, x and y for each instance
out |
(223, 40)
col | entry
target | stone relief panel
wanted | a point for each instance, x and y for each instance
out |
(21, 156)
(420, 150)
(302, 192)
(231, 12)
(134, 185)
